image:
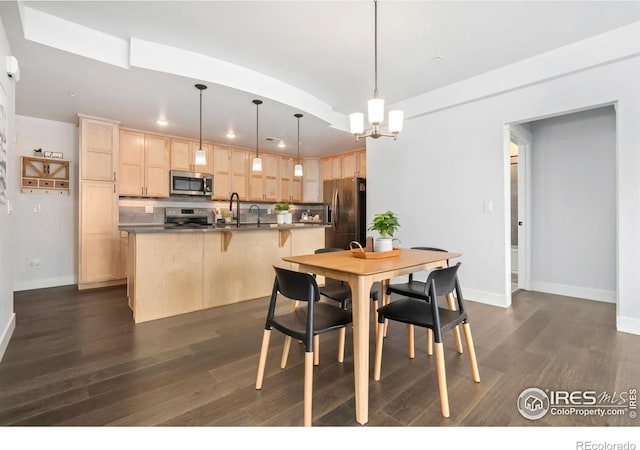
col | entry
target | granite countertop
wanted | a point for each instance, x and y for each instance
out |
(156, 228)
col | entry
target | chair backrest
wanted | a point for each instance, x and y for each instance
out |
(433, 249)
(296, 285)
(444, 281)
(329, 249)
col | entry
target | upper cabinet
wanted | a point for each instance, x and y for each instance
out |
(361, 166)
(344, 165)
(230, 169)
(144, 164)
(263, 186)
(311, 183)
(44, 175)
(183, 155)
(290, 185)
(99, 149)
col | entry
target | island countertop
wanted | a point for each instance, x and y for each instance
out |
(139, 229)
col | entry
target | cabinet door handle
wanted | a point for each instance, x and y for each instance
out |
(114, 176)
(141, 191)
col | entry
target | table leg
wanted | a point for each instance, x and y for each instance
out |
(360, 290)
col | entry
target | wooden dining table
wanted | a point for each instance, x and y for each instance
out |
(361, 273)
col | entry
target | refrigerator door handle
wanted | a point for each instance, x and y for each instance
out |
(337, 209)
(333, 209)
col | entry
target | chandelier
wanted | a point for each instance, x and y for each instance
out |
(375, 108)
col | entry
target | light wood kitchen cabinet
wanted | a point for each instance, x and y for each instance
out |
(325, 169)
(230, 168)
(98, 149)
(99, 245)
(264, 185)
(361, 167)
(144, 164)
(311, 192)
(336, 167)
(124, 253)
(349, 165)
(183, 154)
(98, 235)
(290, 185)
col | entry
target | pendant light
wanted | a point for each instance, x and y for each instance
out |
(297, 171)
(376, 104)
(201, 156)
(257, 162)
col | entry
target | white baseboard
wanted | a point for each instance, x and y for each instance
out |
(488, 298)
(628, 324)
(44, 283)
(6, 335)
(574, 291)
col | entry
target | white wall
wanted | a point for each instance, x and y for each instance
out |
(573, 202)
(453, 156)
(49, 235)
(7, 316)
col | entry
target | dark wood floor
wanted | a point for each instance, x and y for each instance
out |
(76, 358)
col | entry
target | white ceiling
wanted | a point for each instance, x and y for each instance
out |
(322, 50)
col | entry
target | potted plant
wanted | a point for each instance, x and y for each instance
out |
(281, 210)
(228, 216)
(385, 224)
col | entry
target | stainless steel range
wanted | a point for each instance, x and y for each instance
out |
(188, 217)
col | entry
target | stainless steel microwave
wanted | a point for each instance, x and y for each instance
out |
(191, 183)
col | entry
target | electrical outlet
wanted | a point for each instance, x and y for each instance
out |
(36, 208)
(268, 210)
(488, 206)
(35, 263)
(148, 209)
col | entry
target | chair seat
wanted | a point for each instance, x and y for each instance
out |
(413, 289)
(325, 318)
(418, 312)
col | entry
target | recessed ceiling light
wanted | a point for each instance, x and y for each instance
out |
(72, 94)
(281, 144)
(231, 134)
(162, 123)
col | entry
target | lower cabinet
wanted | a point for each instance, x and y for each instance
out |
(173, 273)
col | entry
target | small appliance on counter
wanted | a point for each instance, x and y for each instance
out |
(188, 217)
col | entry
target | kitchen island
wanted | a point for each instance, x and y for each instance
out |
(174, 270)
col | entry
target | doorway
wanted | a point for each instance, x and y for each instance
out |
(520, 181)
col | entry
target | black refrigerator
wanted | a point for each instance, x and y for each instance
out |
(345, 210)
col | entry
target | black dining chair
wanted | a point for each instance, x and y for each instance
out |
(304, 323)
(415, 288)
(425, 312)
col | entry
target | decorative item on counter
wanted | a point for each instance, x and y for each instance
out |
(37, 152)
(217, 216)
(385, 224)
(282, 213)
(228, 216)
(53, 155)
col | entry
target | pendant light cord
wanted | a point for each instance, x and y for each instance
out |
(201, 119)
(375, 39)
(298, 140)
(257, 105)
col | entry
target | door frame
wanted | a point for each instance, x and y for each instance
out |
(523, 139)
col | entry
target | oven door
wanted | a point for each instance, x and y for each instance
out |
(190, 183)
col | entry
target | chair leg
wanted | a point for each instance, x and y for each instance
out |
(341, 338)
(442, 380)
(412, 347)
(263, 358)
(456, 331)
(308, 387)
(429, 341)
(378, 357)
(316, 350)
(285, 352)
(472, 352)
(375, 315)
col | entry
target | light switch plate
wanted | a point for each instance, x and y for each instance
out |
(488, 206)
(148, 209)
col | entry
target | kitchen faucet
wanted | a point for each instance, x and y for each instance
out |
(256, 206)
(235, 194)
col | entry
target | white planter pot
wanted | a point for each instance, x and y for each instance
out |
(279, 219)
(383, 245)
(288, 218)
